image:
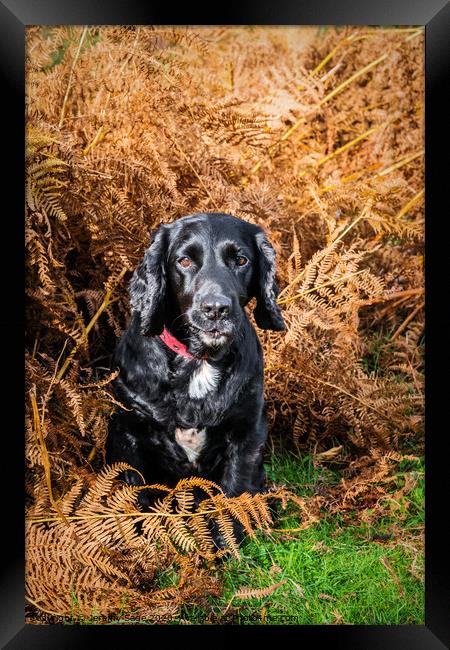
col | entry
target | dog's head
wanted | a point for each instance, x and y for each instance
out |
(198, 274)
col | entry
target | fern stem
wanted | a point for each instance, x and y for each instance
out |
(52, 381)
(329, 56)
(69, 83)
(351, 177)
(35, 347)
(131, 515)
(47, 611)
(407, 320)
(400, 163)
(408, 205)
(300, 275)
(333, 93)
(348, 40)
(105, 304)
(288, 530)
(353, 38)
(414, 35)
(44, 456)
(291, 284)
(364, 211)
(354, 76)
(399, 294)
(320, 286)
(97, 138)
(363, 136)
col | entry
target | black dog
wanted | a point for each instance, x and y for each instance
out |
(191, 366)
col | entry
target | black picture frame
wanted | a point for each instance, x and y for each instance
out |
(15, 15)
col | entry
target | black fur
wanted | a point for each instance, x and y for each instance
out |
(202, 306)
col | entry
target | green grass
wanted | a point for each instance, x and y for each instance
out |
(379, 343)
(334, 572)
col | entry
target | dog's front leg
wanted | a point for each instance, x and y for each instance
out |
(243, 472)
(243, 469)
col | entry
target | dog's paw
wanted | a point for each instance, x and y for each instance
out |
(219, 538)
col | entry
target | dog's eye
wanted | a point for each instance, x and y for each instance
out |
(241, 260)
(185, 262)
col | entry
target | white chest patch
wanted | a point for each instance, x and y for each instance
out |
(204, 380)
(192, 441)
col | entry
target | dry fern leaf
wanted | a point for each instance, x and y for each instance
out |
(246, 593)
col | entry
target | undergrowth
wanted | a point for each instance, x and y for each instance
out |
(341, 570)
(317, 138)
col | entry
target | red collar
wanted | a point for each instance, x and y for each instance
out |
(176, 345)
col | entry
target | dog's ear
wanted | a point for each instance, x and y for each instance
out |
(267, 314)
(148, 285)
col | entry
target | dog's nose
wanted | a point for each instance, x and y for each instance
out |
(215, 307)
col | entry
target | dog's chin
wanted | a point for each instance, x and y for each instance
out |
(213, 343)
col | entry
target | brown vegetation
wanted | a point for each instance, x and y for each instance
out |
(322, 145)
